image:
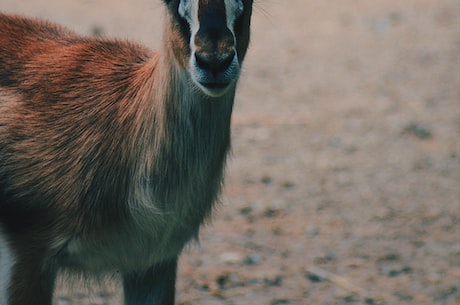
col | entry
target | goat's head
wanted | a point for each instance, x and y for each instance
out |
(210, 39)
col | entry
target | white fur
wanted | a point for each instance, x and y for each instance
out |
(189, 11)
(6, 266)
(233, 9)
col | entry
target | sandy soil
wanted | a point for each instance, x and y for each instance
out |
(344, 184)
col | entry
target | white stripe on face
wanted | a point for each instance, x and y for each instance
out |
(6, 265)
(233, 8)
(188, 9)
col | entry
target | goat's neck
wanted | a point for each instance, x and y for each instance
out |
(192, 123)
(189, 117)
(185, 133)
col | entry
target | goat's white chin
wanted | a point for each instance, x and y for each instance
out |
(214, 89)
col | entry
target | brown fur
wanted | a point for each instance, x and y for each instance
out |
(110, 159)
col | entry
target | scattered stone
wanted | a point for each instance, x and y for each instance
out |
(204, 287)
(271, 213)
(369, 301)
(327, 258)
(349, 299)
(312, 231)
(288, 184)
(266, 180)
(390, 257)
(398, 272)
(420, 131)
(246, 211)
(285, 254)
(280, 302)
(252, 259)
(447, 294)
(314, 278)
(276, 281)
(230, 258)
(277, 231)
(404, 296)
(392, 265)
(228, 280)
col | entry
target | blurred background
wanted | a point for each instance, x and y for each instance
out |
(344, 181)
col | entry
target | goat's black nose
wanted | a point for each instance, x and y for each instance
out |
(213, 63)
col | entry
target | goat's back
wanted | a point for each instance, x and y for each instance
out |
(61, 96)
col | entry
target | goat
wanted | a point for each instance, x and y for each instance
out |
(112, 156)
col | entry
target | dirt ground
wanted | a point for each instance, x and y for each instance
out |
(344, 181)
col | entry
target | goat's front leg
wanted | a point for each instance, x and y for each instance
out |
(154, 286)
(25, 276)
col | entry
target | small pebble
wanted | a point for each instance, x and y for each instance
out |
(253, 259)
